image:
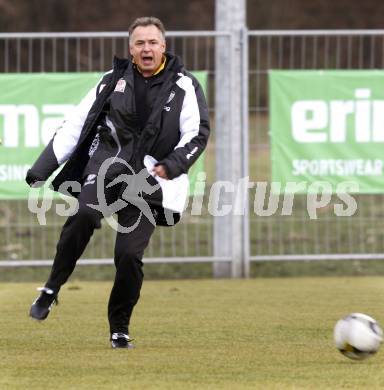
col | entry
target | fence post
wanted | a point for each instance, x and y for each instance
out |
(245, 148)
(229, 228)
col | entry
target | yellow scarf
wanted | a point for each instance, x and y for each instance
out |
(162, 66)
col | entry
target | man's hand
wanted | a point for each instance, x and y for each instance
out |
(160, 171)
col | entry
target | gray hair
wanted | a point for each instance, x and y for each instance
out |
(147, 21)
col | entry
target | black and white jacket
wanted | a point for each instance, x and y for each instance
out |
(104, 125)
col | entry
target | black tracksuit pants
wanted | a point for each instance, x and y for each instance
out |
(129, 250)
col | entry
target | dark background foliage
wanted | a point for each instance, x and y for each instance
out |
(116, 15)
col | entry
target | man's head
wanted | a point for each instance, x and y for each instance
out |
(147, 44)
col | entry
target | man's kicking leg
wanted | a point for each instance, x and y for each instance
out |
(74, 238)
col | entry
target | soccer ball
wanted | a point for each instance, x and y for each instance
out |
(358, 336)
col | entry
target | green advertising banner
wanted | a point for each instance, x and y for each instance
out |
(32, 106)
(328, 126)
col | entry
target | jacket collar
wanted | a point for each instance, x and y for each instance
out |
(120, 63)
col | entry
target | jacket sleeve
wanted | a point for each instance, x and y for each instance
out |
(194, 129)
(63, 143)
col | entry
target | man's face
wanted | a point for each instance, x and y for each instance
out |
(147, 47)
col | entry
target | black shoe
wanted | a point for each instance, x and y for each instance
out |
(43, 304)
(121, 340)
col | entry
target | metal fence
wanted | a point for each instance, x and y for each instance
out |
(296, 237)
(271, 238)
(21, 237)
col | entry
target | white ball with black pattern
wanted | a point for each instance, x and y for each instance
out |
(358, 336)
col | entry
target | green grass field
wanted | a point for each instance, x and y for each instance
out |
(206, 334)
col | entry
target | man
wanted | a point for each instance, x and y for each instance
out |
(146, 119)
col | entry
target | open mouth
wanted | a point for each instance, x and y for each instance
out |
(147, 60)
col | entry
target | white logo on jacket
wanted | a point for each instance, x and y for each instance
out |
(171, 96)
(94, 145)
(194, 150)
(120, 86)
(90, 179)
